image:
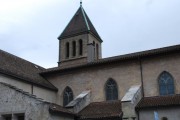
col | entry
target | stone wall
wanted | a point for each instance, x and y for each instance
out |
(62, 48)
(172, 113)
(153, 67)
(125, 73)
(71, 60)
(14, 102)
(40, 92)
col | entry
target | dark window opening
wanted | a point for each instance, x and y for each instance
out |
(20, 117)
(80, 47)
(97, 51)
(68, 96)
(74, 49)
(67, 50)
(111, 90)
(166, 84)
(94, 49)
(7, 117)
(164, 118)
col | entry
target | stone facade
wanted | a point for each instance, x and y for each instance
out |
(171, 113)
(14, 102)
(91, 53)
(126, 74)
(94, 79)
(153, 67)
(43, 93)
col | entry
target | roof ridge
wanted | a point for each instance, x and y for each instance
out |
(84, 16)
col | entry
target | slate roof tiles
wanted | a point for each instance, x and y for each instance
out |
(23, 70)
(79, 24)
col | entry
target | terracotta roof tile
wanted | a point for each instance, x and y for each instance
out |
(158, 101)
(103, 110)
(23, 70)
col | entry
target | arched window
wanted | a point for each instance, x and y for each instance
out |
(111, 90)
(80, 47)
(67, 50)
(67, 96)
(97, 51)
(74, 48)
(166, 84)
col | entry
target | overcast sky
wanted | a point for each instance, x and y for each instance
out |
(29, 28)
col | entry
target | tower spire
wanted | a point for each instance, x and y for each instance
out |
(80, 2)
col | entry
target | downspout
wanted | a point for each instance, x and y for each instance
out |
(138, 115)
(141, 70)
(32, 89)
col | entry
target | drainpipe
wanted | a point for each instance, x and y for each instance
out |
(141, 70)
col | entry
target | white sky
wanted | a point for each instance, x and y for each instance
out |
(29, 28)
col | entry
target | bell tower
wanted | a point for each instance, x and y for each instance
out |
(79, 42)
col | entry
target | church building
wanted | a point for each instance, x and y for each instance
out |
(84, 86)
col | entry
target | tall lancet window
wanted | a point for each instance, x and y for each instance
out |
(80, 47)
(67, 50)
(166, 84)
(67, 96)
(111, 90)
(74, 48)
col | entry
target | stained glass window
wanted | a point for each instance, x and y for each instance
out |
(68, 96)
(166, 84)
(111, 90)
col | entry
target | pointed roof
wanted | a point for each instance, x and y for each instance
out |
(79, 24)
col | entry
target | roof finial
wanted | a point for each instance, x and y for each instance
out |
(81, 2)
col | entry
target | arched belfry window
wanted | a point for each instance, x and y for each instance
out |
(80, 47)
(111, 90)
(74, 48)
(166, 84)
(67, 96)
(67, 50)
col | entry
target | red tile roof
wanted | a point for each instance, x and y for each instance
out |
(102, 110)
(158, 101)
